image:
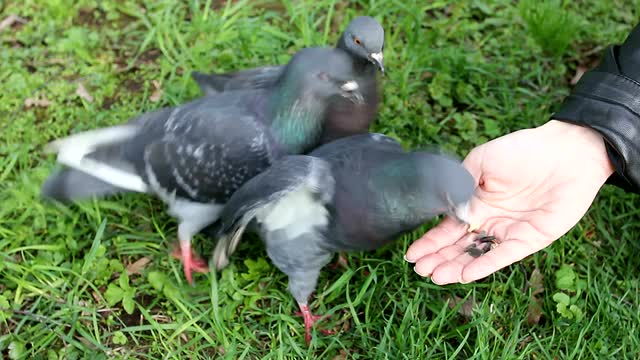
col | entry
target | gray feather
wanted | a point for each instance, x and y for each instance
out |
(66, 185)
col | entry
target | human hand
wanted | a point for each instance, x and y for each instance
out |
(533, 186)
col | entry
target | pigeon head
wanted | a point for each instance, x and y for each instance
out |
(420, 185)
(364, 39)
(443, 182)
(309, 84)
(321, 73)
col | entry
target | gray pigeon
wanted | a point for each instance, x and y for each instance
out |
(354, 194)
(194, 156)
(363, 40)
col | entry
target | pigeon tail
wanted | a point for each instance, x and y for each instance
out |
(66, 185)
(227, 245)
(73, 150)
(210, 84)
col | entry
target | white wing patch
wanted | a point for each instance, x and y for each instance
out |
(298, 212)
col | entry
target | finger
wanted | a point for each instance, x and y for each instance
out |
(454, 253)
(447, 273)
(444, 234)
(504, 254)
(448, 232)
(453, 264)
(473, 162)
(425, 265)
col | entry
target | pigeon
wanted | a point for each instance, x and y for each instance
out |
(194, 156)
(357, 193)
(363, 40)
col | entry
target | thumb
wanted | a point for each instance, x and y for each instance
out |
(474, 161)
(472, 212)
(448, 232)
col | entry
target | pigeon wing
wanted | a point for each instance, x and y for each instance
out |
(258, 78)
(284, 197)
(203, 171)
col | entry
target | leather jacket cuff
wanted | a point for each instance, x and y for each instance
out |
(609, 102)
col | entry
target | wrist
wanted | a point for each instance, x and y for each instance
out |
(585, 142)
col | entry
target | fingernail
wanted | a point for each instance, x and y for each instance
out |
(408, 260)
(417, 272)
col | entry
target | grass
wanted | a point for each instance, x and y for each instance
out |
(95, 280)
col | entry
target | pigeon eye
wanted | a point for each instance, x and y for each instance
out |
(323, 76)
(356, 40)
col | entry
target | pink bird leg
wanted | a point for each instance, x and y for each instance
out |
(309, 321)
(190, 261)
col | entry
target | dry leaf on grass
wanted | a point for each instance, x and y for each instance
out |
(138, 266)
(85, 342)
(342, 355)
(157, 93)
(10, 20)
(56, 61)
(32, 102)
(535, 282)
(534, 310)
(466, 309)
(83, 93)
(426, 75)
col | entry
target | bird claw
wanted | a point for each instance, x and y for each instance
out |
(309, 321)
(313, 318)
(190, 262)
(199, 265)
(341, 262)
(327, 332)
(481, 245)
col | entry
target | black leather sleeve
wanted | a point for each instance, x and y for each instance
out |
(607, 99)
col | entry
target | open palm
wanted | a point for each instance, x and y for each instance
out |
(533, 186)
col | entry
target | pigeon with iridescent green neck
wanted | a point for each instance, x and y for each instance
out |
(363, 40)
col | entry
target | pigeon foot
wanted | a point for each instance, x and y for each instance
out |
(341, 262)
(481, 245)
(309, 321)
(190, 261)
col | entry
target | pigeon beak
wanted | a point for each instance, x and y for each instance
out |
(350, 90)
(459, 211)
(377, 58)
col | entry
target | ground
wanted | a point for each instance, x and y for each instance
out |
(95, 280)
